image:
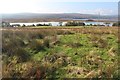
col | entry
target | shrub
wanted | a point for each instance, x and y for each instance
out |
(37, 45)
(46, 43)
(73, 23)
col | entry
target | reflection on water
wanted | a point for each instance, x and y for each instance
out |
(35, 23)
(98, 23)
(63, 23)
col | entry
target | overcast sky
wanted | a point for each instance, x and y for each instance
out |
(105, 7)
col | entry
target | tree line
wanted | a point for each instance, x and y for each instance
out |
(70, 23)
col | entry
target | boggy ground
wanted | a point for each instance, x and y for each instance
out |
(85, 52)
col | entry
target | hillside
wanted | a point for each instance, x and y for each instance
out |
(36, 17)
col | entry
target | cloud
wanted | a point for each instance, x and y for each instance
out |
(46, 6)
(99, 11)
(9, 6)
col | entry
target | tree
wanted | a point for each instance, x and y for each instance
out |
(33, 25)
(74, 23)
(38, 24)
(5, 24)
(23, 25)
(50, 24)
(15, 25)
(60, 23)
(107, 24)
(116, 24)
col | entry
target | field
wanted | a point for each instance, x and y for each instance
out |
(81, 52)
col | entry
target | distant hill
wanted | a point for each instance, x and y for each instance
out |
(36, 17)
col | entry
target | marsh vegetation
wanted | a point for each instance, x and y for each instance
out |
(85, 52)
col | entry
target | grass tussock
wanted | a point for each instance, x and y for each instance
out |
(60, 52)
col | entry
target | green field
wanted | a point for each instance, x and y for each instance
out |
(81, 52)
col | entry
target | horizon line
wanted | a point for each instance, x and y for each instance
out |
(54, 13)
